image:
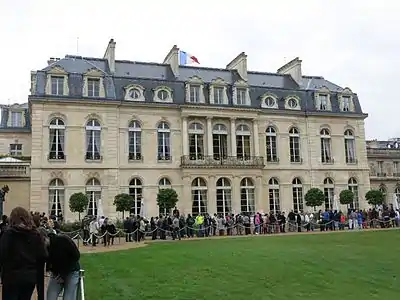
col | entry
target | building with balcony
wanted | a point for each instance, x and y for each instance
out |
(227, 140)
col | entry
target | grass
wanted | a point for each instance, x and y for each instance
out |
(328, 266)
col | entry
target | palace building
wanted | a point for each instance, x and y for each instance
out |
(226, 139)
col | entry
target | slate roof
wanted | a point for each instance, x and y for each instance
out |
(151, 75)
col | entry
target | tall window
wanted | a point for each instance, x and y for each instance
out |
(243, 142)
(57, 85)
(136, 192)
(93, 87)
(247, 196)
(353, 186)
(241, 94)
(93, 140)
(194, 93)
(199, 196)
(294, 145)
(297, 192)
(383, 190)
(349, 147)
(135, 140)
(16, 119)
(56, 197)
(57, 139)
(224, 196)
(164, 183)
(326, 151)
(397, 193)
(220, 141)
(270, 144)
(323, 102)
(164, 141)
(396, 169)
(329, 193)
(273, 194)
(93, 192)
(196, 141)
(218, 95)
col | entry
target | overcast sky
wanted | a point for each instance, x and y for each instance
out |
(351, 43)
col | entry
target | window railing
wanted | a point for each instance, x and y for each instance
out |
(328, 160)
(135, 156)
(93, 156)
(56, 156)
(351, 160)
(189, 161)
(272, 159)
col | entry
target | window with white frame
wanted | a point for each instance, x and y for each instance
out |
(135, 140)
(350, 146)
(323, 101)
(93, 192)
(294, 145)
(136, 192)
(326, 150)
(93, 140)
(383, 190)
(346, 103)
(16, 149)
(57, 85)
(243, 142)
(93, 87)
(220, 142)
(219, 95)
(241, 96)
(247, 196)
(329, 193)
(164, 142)
(353, 186)
(273, 195)
(270, 144)
(196, 141)
(194, 93)
(16, 119)
(396, 170)
(199, 196)
(56, 197)
(224, 196)
(297, 194)
(57, 139)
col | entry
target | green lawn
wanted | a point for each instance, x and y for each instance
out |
(356, 265)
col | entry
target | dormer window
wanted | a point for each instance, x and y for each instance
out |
(57, 81)
(322, 99)
(195, 90)
(93, 87)
(269, 100)
(16, 119)
(218, 92)
(134, 92)
(218, 95)
(323, 102)
(292, 102)
(346, 103)
(163, 94)
(194, 94)
(241, 95)
(57, 85)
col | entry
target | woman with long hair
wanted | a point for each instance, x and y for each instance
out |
(21, 251)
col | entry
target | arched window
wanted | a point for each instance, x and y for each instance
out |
(297, 192)
(56, 197)
(247, 197)
(350, 147)
(199, 196)
(136, 191)
(93, 192)
(224, 196)
(220, 142)
(164, 183)
(329, 193)
(196, 141)
(397, 194)
(326, 150)
(57, 139)
(383, 189)
(270, 144)
(164, 141)
(93, 140)
(135, 141)
(243, 142)
(294, 145)
(273, 194)
(353, 186)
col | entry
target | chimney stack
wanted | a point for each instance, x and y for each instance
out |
(239, 63)
(172, 59)
(110, 55)
(293, 68)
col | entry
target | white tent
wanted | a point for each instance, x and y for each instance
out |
(395, 202)
(336, 203)
(100, 211)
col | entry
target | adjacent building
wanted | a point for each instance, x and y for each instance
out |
(226, 139)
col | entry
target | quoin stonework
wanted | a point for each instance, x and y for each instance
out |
(226, 139)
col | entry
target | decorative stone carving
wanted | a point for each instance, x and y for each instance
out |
(93, 175)
(56, 174)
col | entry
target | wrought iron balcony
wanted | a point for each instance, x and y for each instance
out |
(216, 161)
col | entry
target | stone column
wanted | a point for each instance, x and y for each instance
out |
(260, 203)
(211, 195)
(233, 137)
(209, 137)
(256, 141)
(185, 142)
(236, 201)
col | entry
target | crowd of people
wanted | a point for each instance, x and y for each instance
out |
(30, 247)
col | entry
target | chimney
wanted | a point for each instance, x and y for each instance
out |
(51, 61)
(172, 59)
(293, 68)
(110, 55)
(239, 63)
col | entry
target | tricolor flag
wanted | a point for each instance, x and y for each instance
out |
(187, 58)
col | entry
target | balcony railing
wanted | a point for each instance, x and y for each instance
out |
(189, 161)
(383, 153)
(14, 170)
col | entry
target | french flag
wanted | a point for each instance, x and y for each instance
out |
(187, 58)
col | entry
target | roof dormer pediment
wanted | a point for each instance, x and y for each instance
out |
(57, 70)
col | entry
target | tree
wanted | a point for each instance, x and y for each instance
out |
(78, 202)
(123, 202)
(314, 197)
(167, 199)
(346, 197)
(375, 197)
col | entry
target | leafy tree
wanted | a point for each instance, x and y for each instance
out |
(78, 202)
(375, 197)
(346, 197)
(123, 202)
(167, 199)
(314, 197)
